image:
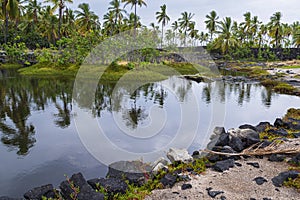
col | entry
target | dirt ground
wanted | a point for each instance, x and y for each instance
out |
(236, 184)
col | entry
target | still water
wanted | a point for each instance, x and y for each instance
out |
(38, 118)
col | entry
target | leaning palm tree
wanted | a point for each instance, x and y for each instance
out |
(275, 28)
(60, 4)
(134, 3)
(162, 18)
(211, 23)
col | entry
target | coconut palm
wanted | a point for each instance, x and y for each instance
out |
(211, 23)
(60, 4)
(86, 19)
(162, 18)
(135, 3)
(275, 28)
(10, 10)
(115, 7)
(184, 23)
(226, 40)
(48, 28)
(33, 10)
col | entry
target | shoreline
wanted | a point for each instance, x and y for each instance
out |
(192, 175)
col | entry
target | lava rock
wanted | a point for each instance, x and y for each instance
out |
(111, 185)
(238, 164)
(295, 160)
(85, 190)
(237, 144)
(296, 135)
(279, 132)
(223, 136)
(248, 126)
(179, 155)
(284, 176)
(168, 180)
(133, 171)
(277, 158)
(278, 123)
(254, 164)
(39, 192)
(213, 194)
(224, 165)
(262, 126)
(260, 180)
(8, 198)
(186, 186)
(223, 198)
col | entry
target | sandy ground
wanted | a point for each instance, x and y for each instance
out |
(236, 183)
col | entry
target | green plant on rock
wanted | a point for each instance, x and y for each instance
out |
(284, 88)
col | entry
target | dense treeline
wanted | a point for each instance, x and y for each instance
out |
(30, 24)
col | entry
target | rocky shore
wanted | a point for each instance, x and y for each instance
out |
(249, 162)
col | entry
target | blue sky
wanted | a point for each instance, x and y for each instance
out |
(234, 8)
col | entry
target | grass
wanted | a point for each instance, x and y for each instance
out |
(292, 113)
(10, 66)
(291, 67)
(295, 183)
(284, 88)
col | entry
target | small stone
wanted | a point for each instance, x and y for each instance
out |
(262, 126)
(279, 132)
(247, 126)
(254, 164)
(186, 186)
(295, 160)
(267, 198)
(223, 198)
(8, 198)
(260, 180)
(278, 123)
(238, 164)
(111, 185)
(213, 194)
(224, 165)
(176, 192)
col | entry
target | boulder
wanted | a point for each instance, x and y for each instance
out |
(247, 126)
(8, 198)
(295, 160)
(133, 171)
(85, 190)
(39, 192)
(179, 155)
(262, 126)
(278, 123)
(247, 136)
(253, 164)
(223, 165)
(279, 132)
(277, 158)
(219, 137)
(237, 144)
(284, 176)
(169, 180)
(296, 135)
(112, 185)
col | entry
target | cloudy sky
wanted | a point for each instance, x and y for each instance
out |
(234, 8)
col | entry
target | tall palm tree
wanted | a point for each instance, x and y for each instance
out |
(48, 29)
(115, 7)
(162, 18)
(226, 40)
(296, 33)
(10, 10)
(135, 3)
(246, 25)
(86, 19)
(60, 4)
(33, 10)
(211, 23)
(275, 28)
(184, 23)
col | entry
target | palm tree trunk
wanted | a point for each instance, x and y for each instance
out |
(135, 18)
(60, 21)
(6, 27)
(162, 36)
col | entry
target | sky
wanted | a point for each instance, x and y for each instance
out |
(233, 8)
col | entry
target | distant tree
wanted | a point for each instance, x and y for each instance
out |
(135, 3)
(211, 23)
(162, 18)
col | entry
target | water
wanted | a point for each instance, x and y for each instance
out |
(40, 143)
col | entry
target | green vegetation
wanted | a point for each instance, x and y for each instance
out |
(284, 88)
(291, 67)
(292, 113)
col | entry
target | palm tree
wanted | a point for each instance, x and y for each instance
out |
(10, 9)
(109, 22)
(60, 4)
(117, 11)
(275, 28)
(48, 28)
(134, 3)
(226, 40)
(33, 10)
(211, 23)
(86, 19)
(296, 33)
(162, 18)
(184, 23)
(246, 25)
